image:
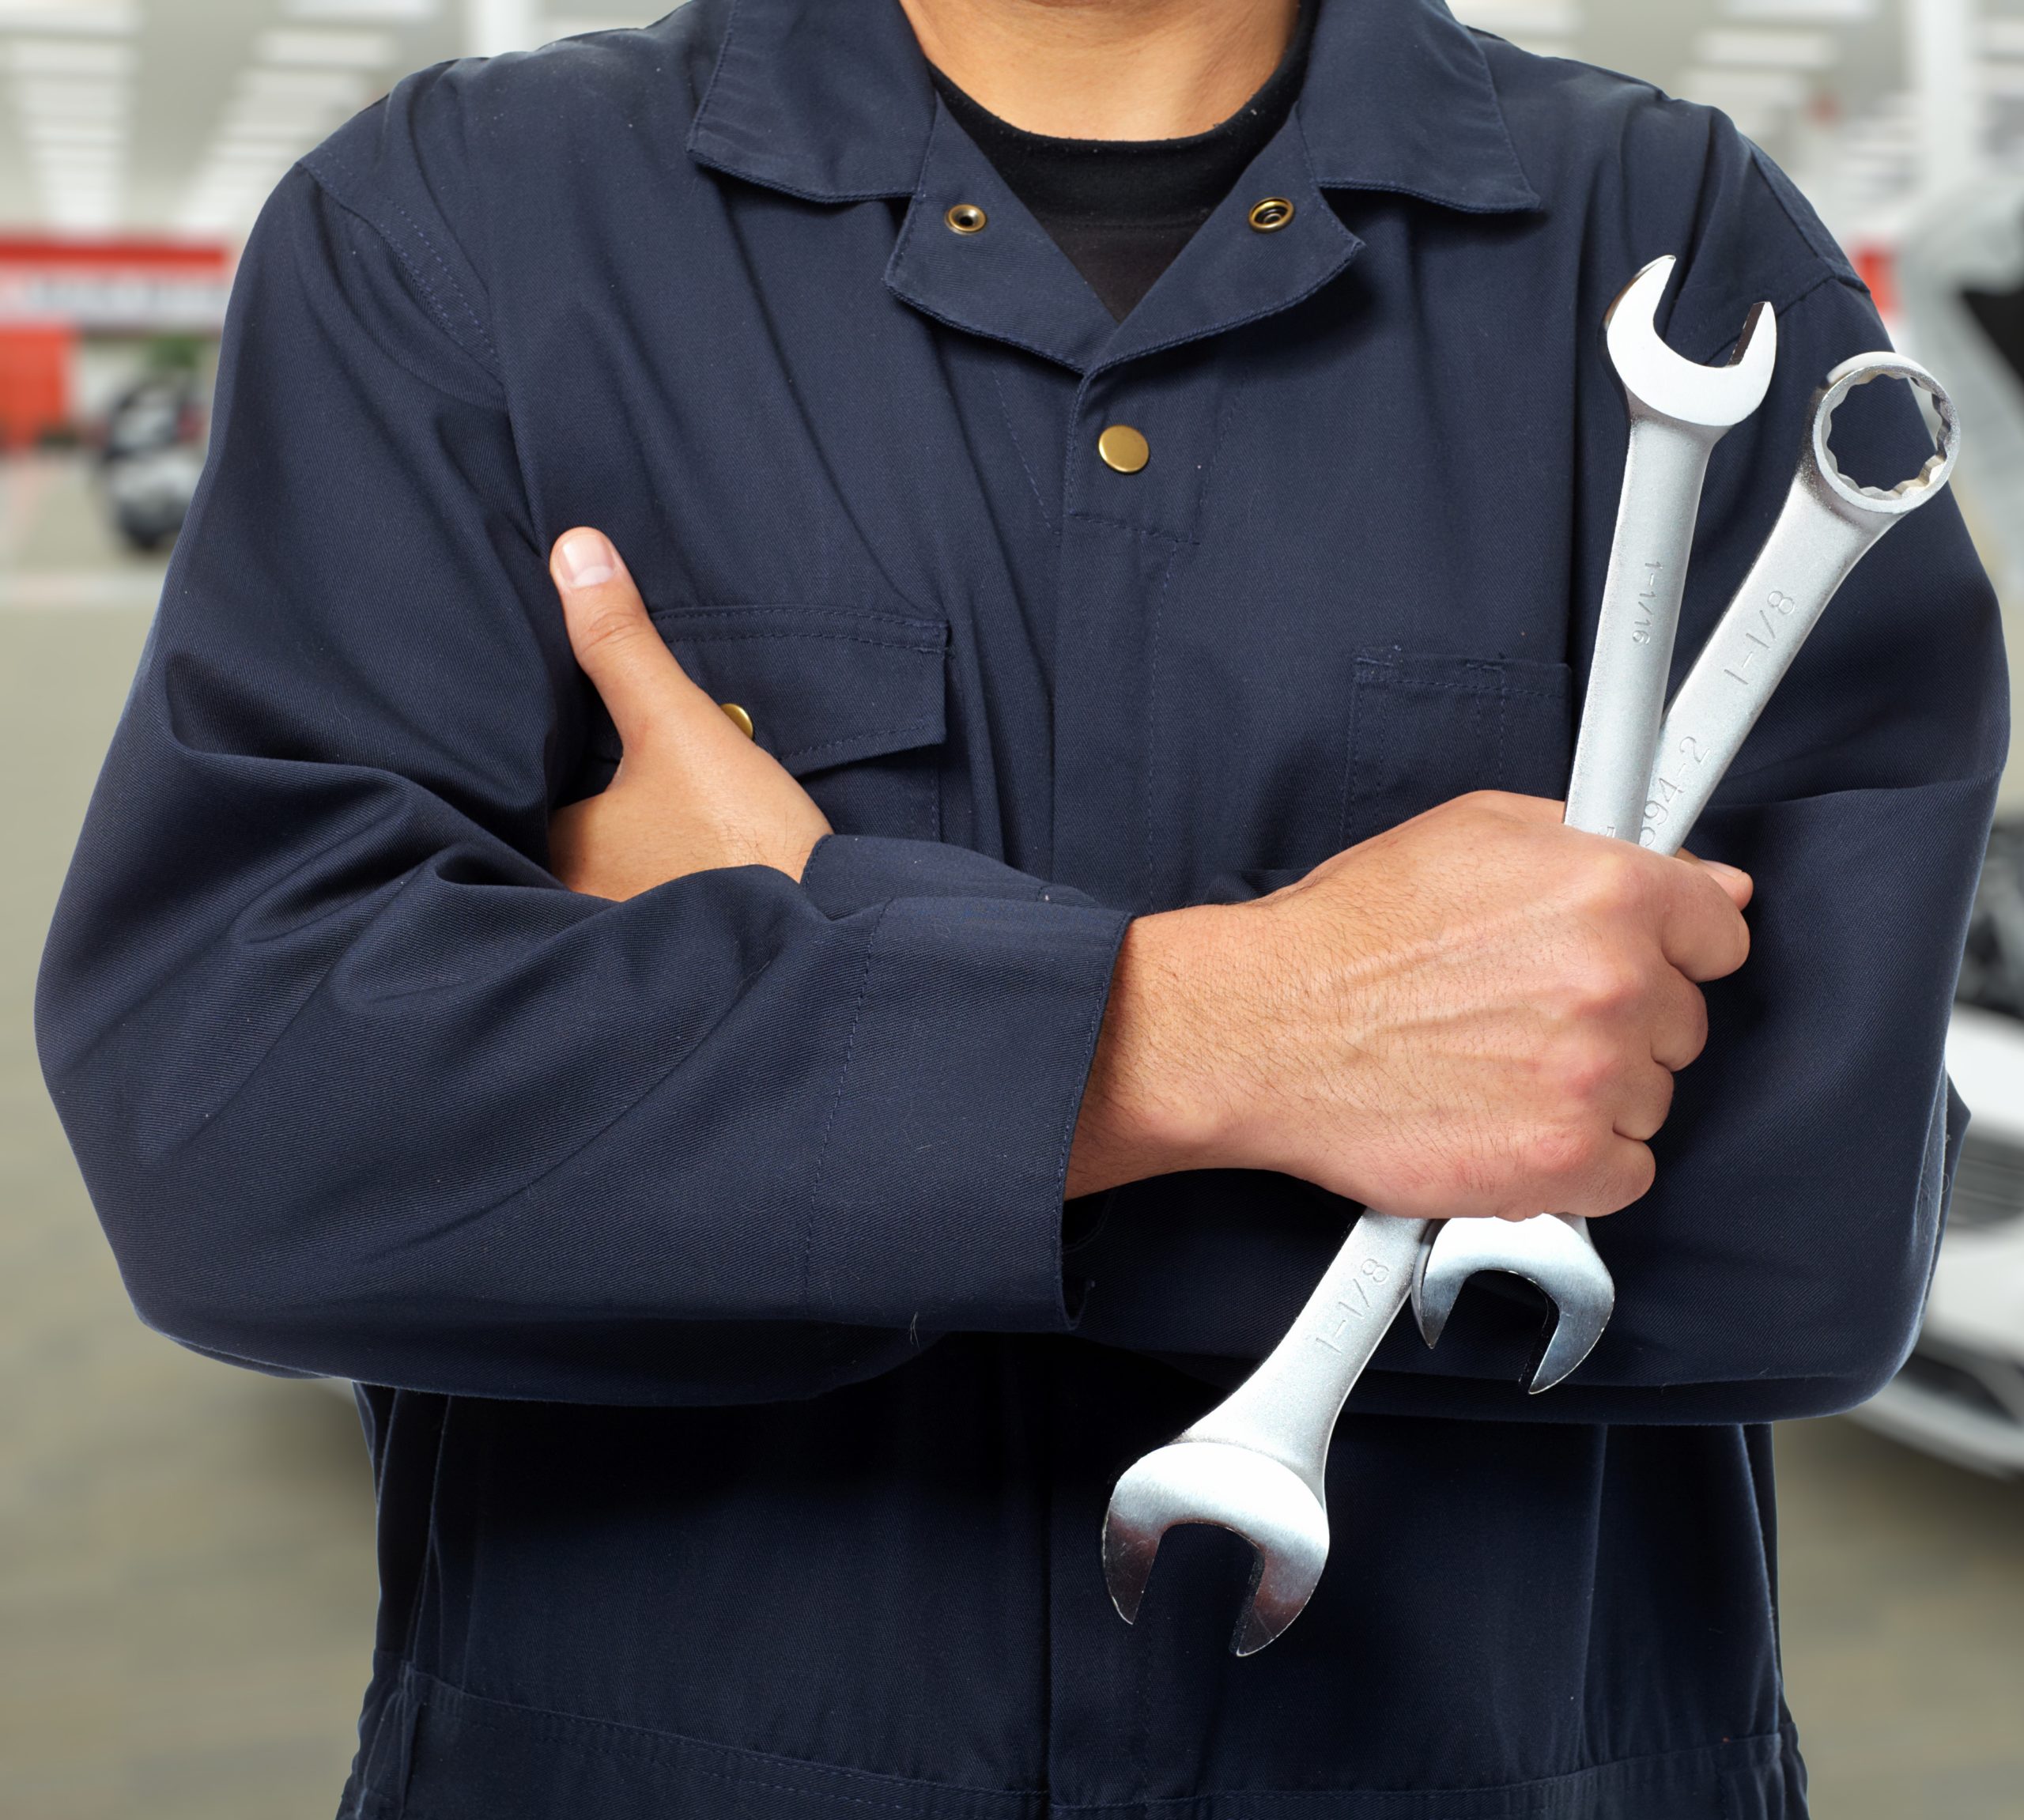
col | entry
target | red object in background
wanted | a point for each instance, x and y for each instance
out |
(52, 292)
(1877, 267)
(35, 384)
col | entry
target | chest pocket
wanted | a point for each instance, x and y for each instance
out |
(850, 700)
(1425, 729)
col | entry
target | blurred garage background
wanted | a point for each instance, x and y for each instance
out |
(185, 1566)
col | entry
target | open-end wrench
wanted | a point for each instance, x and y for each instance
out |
(1256, 1464)
(1679, 412)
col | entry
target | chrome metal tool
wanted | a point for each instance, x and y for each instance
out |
(1257, 1463)
(1679, 412)
(1828, 525)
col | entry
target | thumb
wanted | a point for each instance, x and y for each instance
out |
(614, 640)
(1738, 883)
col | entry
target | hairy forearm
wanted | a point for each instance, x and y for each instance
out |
(1148, 1110)
(1480, 1012)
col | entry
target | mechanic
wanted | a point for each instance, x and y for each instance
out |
(1144, 470)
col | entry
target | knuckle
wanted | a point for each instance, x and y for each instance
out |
(1559, 1152)
(1609, 985)
(609, 625)
(1583, 1067)
(1614, 882)
(1693, 1024)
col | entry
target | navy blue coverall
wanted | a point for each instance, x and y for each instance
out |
(743, 1424)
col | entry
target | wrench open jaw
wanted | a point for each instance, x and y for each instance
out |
(1244, 1468)
(1679, 411)
(1661, 383)
(1550, 1252)
(1257, 1463)
(1274, 1509)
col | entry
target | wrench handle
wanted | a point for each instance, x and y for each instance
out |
(1812, 549)
(1631, 661)
(1664, 471)
(1828, 525)
(1289, 1406)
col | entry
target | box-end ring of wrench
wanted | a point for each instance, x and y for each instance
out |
(1828, 525)
(1256, 1464)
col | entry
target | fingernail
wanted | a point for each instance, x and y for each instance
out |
(1727, 870)
(586, 560)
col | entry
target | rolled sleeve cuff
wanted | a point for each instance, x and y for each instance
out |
(937, 1204)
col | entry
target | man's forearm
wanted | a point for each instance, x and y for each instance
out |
(1479, 1012)
(1150, 1107)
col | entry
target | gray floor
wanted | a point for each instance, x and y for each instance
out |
(186, 1572)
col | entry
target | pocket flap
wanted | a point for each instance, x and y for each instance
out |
(1424, 729)
(824, 686)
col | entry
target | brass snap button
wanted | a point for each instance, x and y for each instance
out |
(1124, 449)
(966, 218)
(737, 717)
(1270, 215)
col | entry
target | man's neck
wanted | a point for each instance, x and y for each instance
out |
(1106, 69)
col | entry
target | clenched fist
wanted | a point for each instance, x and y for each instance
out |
(1480, 1011)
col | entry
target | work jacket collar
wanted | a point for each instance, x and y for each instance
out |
(830, 100)
(1012, 282)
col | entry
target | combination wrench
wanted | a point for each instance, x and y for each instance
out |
(1827, 525)
(1256, 1464)
(1679, 412)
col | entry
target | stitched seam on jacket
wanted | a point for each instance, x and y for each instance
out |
(733, 637)
(482, 1709)
(836, 1103)
(415, 228)
(489, 359)
(1413, 1804)
(1148, 770)
(908, 727)
(449, 278)
(738, 608)
(1155, 650)
(1503, 126)
(485, 1709)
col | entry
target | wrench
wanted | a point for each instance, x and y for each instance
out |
(1256, 1464)
(1679, 412)
(1827, 525)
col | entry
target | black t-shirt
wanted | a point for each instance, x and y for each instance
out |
(1122, 209)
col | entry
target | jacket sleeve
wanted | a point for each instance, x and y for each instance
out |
(358, 1089)
(1779, 1266)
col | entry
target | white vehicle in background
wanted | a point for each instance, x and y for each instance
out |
(1960, 1395)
